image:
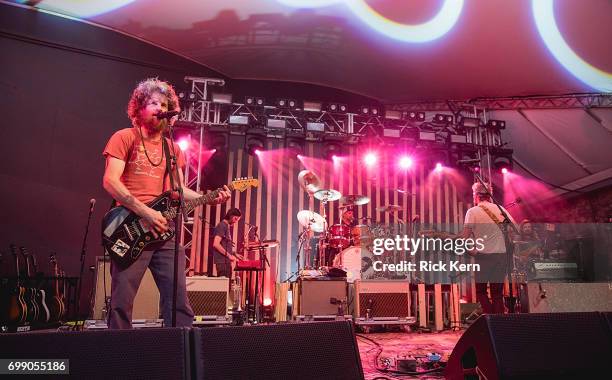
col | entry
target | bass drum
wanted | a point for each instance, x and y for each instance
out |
(350, 261)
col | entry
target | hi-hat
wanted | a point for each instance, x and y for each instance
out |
(328, 195)
(355, 200)
(316, 221)
(389, 208)
(309, 181)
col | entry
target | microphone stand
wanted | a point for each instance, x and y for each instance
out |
(177, 219)
(505, 226)
(83, 250)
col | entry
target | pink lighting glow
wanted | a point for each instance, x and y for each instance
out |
(370, 159)
(405, 162)
(504, 170)
(267, 301)
(439, 167)
(183, 144)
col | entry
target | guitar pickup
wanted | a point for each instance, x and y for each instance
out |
(127, 231)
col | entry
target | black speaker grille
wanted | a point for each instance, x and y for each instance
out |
(208, 302)
(553, 343)
(384, 304)
(317, 350)
(110, 354)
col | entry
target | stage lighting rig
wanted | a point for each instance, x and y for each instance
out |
(496, 124)
(443, 119)
(415, 116)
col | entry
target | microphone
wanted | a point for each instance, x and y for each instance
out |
(517, 201)
(92, 203)
(166, 115)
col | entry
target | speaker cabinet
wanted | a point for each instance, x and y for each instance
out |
(146, 303)
(533, 346)
(554, 297)
(384, 298)
(208, 295)
(313, 296)
(110, 354)
(315, 350)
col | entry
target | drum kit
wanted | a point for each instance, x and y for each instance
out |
(340, 245)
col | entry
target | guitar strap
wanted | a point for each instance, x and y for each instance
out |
(491, 215)
(168, 164)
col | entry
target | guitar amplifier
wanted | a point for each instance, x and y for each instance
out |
(384, 298)
(146, 303)
(553, 271)
(314, 296)
(208, 296)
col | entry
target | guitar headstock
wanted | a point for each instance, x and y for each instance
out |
(241, 184)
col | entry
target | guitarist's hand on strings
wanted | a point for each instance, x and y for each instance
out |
(155, 221)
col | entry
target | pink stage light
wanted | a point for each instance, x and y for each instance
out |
(370, 159)
(257, 152)
(504, 170)
(405, 162)
(439, 167)
(267, 302)
(183, 144)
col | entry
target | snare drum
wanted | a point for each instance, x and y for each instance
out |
(338, 236)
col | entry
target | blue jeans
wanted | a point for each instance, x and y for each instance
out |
(125, 283)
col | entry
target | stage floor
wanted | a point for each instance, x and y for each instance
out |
(399, 344)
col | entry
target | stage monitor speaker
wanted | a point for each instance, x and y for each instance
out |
(384, 298)
(533, 346)
(208, 295)
(314, 296)
(153, 353)
(314, 350)
(146, 303)
(561, 297)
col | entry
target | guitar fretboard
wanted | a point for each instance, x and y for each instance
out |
(192, 204)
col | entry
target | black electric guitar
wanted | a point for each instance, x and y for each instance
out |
(124, 236)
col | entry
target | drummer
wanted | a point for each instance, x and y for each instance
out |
(348, 220)
(348, 217)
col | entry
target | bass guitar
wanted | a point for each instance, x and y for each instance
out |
(124, 236)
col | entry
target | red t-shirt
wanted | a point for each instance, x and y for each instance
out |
(141, 178)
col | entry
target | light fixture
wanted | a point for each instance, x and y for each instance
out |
(309, 106)
(239, 120)
(441, 118)
(315, 127)
(415, 116)
(496, 124)
(295, 145)
(470, 122)
(221, 98)
(393, 115)
(331, 149)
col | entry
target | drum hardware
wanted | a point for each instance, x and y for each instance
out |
(309, 181)
(354, 200)
(312, 222)
(392, 209)
(327, 195)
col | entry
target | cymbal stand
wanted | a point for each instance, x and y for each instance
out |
(322, 236)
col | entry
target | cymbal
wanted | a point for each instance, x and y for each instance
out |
(264, 244)
(328, 195)
(309, 181)
(316, 221)
(390, 208)
(355, 200)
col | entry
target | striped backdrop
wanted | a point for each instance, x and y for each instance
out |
(273, 206)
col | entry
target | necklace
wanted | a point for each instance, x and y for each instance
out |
(145, 150)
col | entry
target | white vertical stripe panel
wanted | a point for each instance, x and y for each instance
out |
(290, 219)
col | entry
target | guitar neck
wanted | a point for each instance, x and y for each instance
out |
(192, 204)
